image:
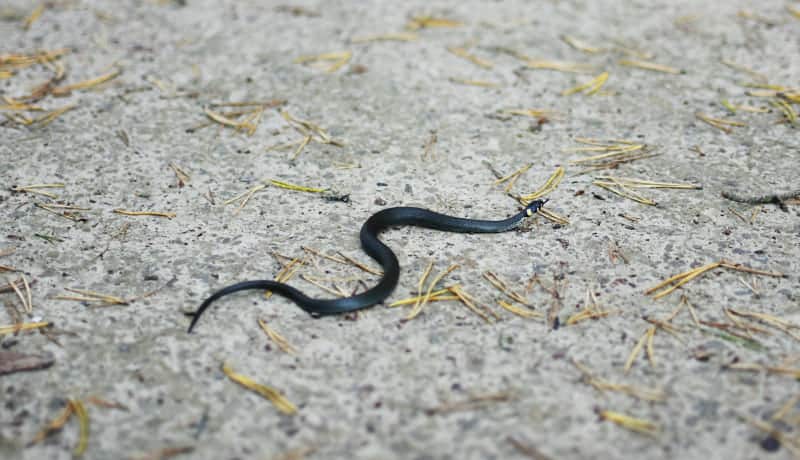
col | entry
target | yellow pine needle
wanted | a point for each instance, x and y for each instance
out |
(285, 274)
(92, 296)
(636, 350)
(244, 197)
(604, 385)
(788, 110)
(625, 192)
(14, 328)
(37, 12)
(418, 307)
(755, 367)
(26, 60)
(298, 188)
(755, 17)
(725, 103)
(763, 93)
(50, 116)
(682, 278)
(339, 58)
(67, 212)
(55, 425)
(553, 217)
(581, 45)
(631, 423)
(643, 183)
(430, 22)
(337, 292)
(723, 125)
(306, 128)
(168, 215)
(260, 104)
(301, 146)
(359, 265)
(533, 113)
(589, 314)
(793, 11)
(733, 108)
(183, 177)
(512, 178)
(168, 452)
(591, 87)
(778, 323)
(279, 340)
(223, 120)
(26, 301)
(639, 54)
(250, 123)
(646, 65)
(679, 280)
(463, 53)
(501, 286)
(519, 311)
(569, 67)
(793, 97)
(279, 401)
(610, 143)
(781, 413)
(86, 84)
(421, 285)
(756, 75)
(316, 252)
(36, 189)
(610, 150)
(400, 37)
(552, 182)
(467, 300)
(481, 83)
(435, 296)
(83, 420)
(651, 334)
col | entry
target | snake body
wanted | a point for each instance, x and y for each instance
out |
(417, 217)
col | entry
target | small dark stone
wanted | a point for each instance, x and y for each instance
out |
(770, 444)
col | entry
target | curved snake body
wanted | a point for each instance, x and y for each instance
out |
(378, 222)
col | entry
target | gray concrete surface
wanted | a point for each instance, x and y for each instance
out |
(363, 386)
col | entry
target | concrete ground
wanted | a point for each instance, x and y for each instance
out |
(418, 125)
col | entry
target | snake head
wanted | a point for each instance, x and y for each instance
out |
(534, 206)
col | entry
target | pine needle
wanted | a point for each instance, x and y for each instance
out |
(630, 423)
(168, 215)
(463, 53)
(646, 65)
(418, 307)
(86, 84)
(277, 338)
(674, 282)
(430, 22)
(550, 185)
(723, 125)
(280, 402)
(83, 420)
(636, 350)
(590, 88)
(14, 328)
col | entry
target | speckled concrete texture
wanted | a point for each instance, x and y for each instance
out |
(368, 386)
